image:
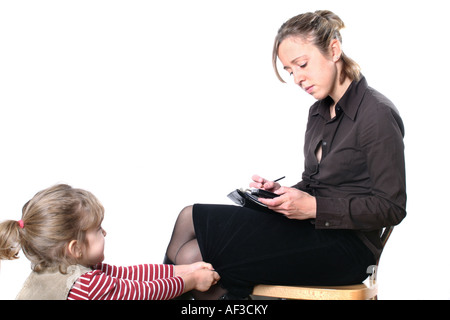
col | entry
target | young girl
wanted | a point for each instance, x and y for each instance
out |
(61, 234)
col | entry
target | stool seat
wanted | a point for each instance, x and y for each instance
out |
(350, 292)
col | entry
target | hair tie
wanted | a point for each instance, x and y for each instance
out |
(20, 222)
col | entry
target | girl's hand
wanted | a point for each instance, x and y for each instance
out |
(293, 203)
(261, 183)
(197, 276)
(203, 279)
(200, 279)
(182, 269)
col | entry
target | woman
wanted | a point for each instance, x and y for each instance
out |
(325, 229)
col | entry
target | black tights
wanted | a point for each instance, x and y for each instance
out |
(183, 249)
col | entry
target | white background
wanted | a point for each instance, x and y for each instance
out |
(155, 105)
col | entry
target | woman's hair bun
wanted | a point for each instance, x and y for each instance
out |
(331, 18)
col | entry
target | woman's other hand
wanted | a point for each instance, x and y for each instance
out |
(293, 203)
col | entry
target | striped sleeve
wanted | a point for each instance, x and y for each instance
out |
(142, 272)
(130, 283)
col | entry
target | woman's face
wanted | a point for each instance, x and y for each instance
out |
(314, 72)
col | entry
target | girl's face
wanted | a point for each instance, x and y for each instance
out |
(313, 71)
(93, 251)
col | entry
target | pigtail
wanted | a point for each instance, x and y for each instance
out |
(10, 239)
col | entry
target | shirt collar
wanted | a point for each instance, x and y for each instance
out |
(349, 102)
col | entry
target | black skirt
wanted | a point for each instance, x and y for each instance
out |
(249, 247)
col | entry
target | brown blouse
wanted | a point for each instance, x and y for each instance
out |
(359, 183)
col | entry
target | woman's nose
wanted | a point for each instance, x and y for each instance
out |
(299, 77)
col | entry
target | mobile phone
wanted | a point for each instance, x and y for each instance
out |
(264, 194)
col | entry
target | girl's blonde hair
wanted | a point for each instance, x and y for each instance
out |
(319, 27)
(50, 220)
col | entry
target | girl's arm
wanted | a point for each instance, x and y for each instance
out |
(142, 272)
(128, 283)
(96, 285)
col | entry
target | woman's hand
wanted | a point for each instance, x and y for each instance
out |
(293, 203)
(261, 183)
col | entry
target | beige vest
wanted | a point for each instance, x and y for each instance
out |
(51, 284)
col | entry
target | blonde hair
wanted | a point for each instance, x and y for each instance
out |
(319, 27)
(51, 219)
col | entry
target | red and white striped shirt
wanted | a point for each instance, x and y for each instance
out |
(140, 282)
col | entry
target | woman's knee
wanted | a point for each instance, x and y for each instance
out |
(185, 220)
(186, 213)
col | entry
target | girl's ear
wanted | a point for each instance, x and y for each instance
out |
(74, 249)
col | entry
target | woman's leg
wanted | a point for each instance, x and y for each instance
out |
(183, 249)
